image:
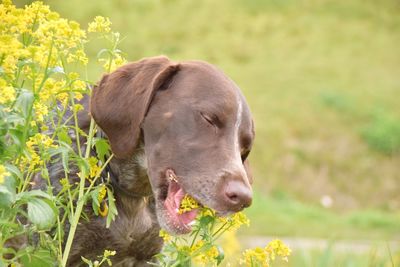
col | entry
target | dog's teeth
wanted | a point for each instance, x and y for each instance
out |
(191, 223)
(172, 178)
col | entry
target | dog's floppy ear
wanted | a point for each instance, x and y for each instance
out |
(121, 100)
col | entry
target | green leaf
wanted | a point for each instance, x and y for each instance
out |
(15, 119)
(95, 200)
(41, 213)
(64, 136)
(64, 150)
(16, 135)
(7, 192)
(83, 165)
(221, 255)
(112, 209)
(24, 101)
(14, 170)
(102, 148)
(39, 258)
(88, 262)
(28, 195)
(204, 221)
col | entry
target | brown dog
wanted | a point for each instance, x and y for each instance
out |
(175, 129)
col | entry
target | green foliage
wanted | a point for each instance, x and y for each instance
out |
(39, 87)
(383, 133)
(315, 221)
(331, 255)
(335, 100)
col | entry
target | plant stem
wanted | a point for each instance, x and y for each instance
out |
(81, 201)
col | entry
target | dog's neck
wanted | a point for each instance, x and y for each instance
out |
(129, 176)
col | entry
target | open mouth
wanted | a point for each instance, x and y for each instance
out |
(180, 220)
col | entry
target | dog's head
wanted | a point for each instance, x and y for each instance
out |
(197, 132)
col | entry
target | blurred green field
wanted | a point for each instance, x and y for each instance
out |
(322, 78)
(316, 74)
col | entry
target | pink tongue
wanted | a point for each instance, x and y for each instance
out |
(178, 197)
(173, 202)
(188, 216)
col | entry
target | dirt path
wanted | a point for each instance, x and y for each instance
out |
(295, 243)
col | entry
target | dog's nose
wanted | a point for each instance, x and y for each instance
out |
(237, 195)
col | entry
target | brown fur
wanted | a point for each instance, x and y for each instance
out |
(159, 115)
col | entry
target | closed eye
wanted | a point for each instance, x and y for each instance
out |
(207, 119)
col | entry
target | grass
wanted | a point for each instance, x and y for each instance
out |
(279, 215)
(312, 72)
(327, 257)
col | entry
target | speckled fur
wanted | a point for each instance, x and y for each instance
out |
(134, 235)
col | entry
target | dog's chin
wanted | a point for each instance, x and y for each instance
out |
(169, 197)
(172, 223)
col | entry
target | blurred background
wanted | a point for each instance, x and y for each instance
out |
(322, 79)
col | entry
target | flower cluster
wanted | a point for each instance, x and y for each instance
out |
(187, 204)
(264, 256)
(42, 83)
(37, 148)
(38, 35)
(100, 24)
(104, 258)
(201, 246)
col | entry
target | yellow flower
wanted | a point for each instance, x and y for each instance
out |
(9, 64)
(255, 257)
(65, 183)
(100, 24)
(238, 219)
(77, 107)
(165, 236)
(209, 255)
(95, 169)
(198, 245)
(204, 255)
(187, 204)
(116, 61)
(3, 173)
(108, 253)
(41, 110)
(207, 212)
(34, 146)
(73, 75)
(103, 212)
(277, 248)
(102, 193)
(7, 93)
(7, 2)
(263, 256)
(78, 56)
